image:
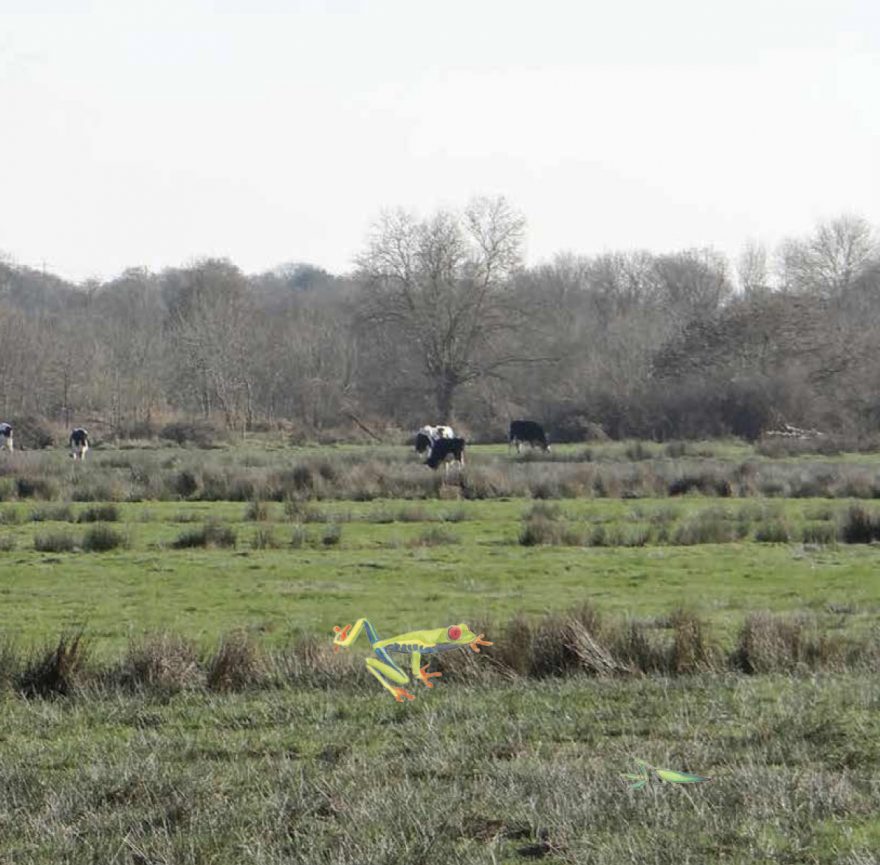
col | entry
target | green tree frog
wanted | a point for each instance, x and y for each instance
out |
(415, 644)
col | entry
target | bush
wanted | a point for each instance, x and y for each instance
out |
(332, 535)
(264, 539)
(257, 511)
(106, 513)
(7, 543)
(209, 535)
(36, 488)
(161, 663)
(775, 531)
(101, 538)
(435, 536)
(55, 542)
(32, 433)
(57, 670)
(57, 514)
(200, 433)
(235, 665)
(539, 530)
(860, 526)
(184, 484)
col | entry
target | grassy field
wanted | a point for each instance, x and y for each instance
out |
(499, 763)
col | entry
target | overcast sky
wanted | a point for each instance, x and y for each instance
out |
(151, 133)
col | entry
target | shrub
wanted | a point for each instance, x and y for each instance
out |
(691, 651)
(820, 533)
(299, 537)
(860, 526)
(768, 644)
(209, 535)
(106, 513)
(539, 530)
(707, 483)
(57, 514)
(7, 543)
(36, 488)
(775, 531)
(101, 538)
(257, 511)
(264, 539)
(435, 536)
(55, 542)
(55, 671)
(184, 484)
(161, 662)
(332, 535)
(235, 665)
(200, 433)
(544, 511)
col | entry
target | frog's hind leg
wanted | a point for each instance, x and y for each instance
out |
(381, 670)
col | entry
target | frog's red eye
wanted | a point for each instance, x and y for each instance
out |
(454, 632)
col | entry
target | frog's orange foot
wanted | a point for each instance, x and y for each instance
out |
(341, 634)
(400, 693)
(479, 642)
(426, 677)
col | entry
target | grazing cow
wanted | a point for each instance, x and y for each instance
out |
(6, 437)
(79, 443)
(427, 434)
(444, 450)
(527, 431)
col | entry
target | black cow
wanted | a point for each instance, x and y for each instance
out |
(426, 436)
(6, 437)
(79, 443)
(445, 449)
(527, 431)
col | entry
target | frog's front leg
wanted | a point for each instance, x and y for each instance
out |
(386, 669)
(418, 670)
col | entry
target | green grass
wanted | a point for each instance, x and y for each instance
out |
(479, 774)
(391, 573)
(478, 769)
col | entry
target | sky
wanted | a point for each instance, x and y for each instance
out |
(154, 133)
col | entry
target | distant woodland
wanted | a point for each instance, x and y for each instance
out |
(440, 322)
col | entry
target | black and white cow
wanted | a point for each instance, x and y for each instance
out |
(79, 443)
(426, 436)
(6, 437)
(527, 431)
(444, 450)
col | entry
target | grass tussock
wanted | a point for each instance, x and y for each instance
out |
(102, 538)
(55, 671)
(235, 665)
(55, 542)
(160, 664)
(211, 534)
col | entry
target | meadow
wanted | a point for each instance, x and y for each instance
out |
(169, 693)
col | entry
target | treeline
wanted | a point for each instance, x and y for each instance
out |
(440, 321)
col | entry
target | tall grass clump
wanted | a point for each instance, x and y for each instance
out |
(101, 538)
(235, 665)
(209, 535)
(104, 513)
(55, 671)
(160, 663)
(257, 511)
(860, 526)
(55, 542)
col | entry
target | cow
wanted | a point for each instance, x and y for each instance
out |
(79, 443)
(527, 431)
(427, 434)
(6, 437)
(444, 450)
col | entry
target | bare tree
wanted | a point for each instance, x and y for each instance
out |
(831, 260)
(441, 285)
(752, 268)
